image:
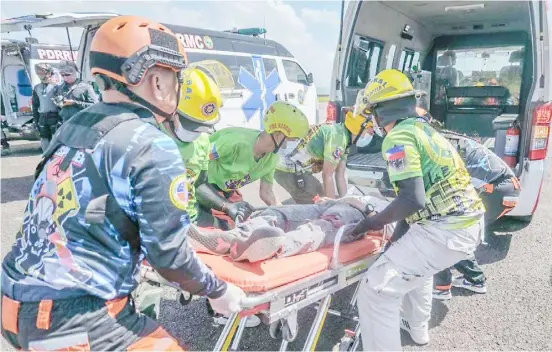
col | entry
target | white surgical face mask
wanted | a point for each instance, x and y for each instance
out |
(185, 135)
(363, 141)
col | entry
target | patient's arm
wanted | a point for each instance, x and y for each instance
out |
(266, 192)
(340, 179)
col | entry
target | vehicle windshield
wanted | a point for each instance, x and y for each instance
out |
(479, 67)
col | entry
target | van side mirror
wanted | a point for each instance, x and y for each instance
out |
(310, 79)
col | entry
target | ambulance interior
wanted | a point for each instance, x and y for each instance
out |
(16, 86)
(475, 59)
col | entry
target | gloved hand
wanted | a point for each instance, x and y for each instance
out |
(229, 302)
(242, 209)
(364, 226)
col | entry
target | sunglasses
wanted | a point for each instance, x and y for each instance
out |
(66, 74)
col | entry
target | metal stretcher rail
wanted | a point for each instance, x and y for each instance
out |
(279, 306)
(283, 302)
(253, 301)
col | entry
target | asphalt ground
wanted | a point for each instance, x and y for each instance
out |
(516, 313)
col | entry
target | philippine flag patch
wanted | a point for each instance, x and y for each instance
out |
(214, 155)
(396, 157)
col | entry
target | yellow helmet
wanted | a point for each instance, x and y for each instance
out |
(284, 117)
(356, 124)
(200, 101)
(360, 118)
(388, 85)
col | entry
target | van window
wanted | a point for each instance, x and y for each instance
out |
(416, 60)
(269, 65)
(245, 62)
(390, 56)
(363, 62)
(405, 63)
(229, 61)
(493, 66)
(294, 72)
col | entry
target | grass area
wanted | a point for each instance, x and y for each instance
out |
(323, 98)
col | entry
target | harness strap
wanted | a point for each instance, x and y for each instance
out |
(84, 133)
(105, 204)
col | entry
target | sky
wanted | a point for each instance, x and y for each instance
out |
(309, 29)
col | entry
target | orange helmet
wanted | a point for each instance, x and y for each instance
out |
(125, 47)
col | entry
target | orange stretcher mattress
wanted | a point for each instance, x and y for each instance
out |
(263, 276)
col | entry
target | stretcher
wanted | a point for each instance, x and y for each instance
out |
(277, 289)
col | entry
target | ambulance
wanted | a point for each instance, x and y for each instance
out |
(18, 77)
(486, 66)
(261, 70)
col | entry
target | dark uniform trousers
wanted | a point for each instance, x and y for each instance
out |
(496, 207)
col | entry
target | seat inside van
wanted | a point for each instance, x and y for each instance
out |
(480, 57)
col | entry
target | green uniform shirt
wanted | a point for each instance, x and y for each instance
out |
(322, 143)
(196, 160)
(414, 149)
(232, 163)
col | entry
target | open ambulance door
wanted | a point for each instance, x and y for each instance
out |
(89, 21)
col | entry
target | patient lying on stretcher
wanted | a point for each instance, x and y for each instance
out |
(287, 230)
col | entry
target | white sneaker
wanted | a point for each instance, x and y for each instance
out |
(419, 334)
(442, 295)
(460, 282)
(252, 321)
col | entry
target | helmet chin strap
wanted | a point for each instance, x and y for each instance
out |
(276, 145)
(122, 88)
(362, 128)
(138, 99)
(377, 129)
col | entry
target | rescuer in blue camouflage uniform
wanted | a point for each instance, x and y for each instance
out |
(110, 192)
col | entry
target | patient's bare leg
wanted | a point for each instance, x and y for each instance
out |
(317, 233)
(306, 238)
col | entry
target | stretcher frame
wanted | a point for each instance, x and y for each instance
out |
(281, 304)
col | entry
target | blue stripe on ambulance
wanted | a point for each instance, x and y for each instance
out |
(261, 86)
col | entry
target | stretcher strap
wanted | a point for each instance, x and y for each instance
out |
(488, 188)
(516, 183)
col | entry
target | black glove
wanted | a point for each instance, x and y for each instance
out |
(364, 226)
(239, 210)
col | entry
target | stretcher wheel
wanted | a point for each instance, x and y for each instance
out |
(184, 298)
(281, 330)
(346, 344)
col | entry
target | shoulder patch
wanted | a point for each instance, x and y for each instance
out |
(214, 155)
(178, 192)
(396, 157)
(338, 153)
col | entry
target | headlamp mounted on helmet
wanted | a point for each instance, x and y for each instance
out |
(134, 68)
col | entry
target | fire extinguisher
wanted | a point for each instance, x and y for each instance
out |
(512, 145)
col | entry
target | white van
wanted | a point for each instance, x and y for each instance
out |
(18, 77)
(465, 52)
(263, 70)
